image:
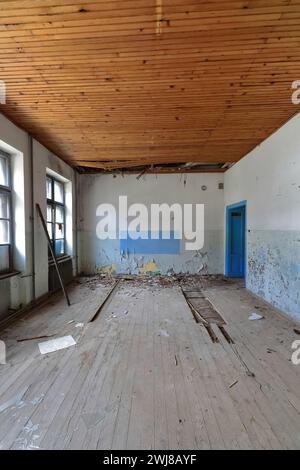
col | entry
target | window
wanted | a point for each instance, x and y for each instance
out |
(56, 219)
(5, 215)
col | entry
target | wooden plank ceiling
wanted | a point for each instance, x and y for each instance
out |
(116, 84)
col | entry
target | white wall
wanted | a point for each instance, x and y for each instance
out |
(97, 255)
(268, 178)
(43, 161)
(17, 291)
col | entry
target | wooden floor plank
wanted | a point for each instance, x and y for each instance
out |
(145, 375)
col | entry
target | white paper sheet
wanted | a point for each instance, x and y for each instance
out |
(56, 344)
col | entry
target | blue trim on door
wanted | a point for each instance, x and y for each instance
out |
(229, 269)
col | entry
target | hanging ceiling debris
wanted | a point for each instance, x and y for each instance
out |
(165, 168)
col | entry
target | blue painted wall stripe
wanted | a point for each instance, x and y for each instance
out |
(150, 245)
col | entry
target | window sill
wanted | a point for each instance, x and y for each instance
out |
(8, 275)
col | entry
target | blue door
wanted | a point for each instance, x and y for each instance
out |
(236, 240)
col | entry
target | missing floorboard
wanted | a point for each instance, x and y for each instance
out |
(212, 334)
(205, 313)
(203, 307)
(226, 335)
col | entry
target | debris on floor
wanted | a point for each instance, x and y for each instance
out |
(107, 297)
(163, 333)
(56, 344)
(37, 400)
(34, 337)
(28, 443)
(233, 384)
(255, 316)
(15, 401)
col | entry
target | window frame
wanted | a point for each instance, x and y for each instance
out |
(7, 191)
(54, 204)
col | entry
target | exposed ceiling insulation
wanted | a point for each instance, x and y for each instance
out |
(119, 84)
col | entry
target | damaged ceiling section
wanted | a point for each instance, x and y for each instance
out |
(120, 167)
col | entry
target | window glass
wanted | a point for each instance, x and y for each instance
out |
(4, 180)
(59, 231)
(4, 231)
(4, 206)
(49, 188)
(58, 191)
(50, 230)
(59, 247)
(59, 214)
(49, 213)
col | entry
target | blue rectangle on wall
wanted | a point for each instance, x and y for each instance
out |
(149, 246)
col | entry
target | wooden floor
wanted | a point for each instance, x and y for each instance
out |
(145, 375)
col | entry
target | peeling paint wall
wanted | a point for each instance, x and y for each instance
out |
(105, 255)
(269, 180)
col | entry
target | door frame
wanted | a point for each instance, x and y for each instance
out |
(229, 208)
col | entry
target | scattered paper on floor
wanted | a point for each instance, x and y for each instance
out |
(56, 344)
(255, 316)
